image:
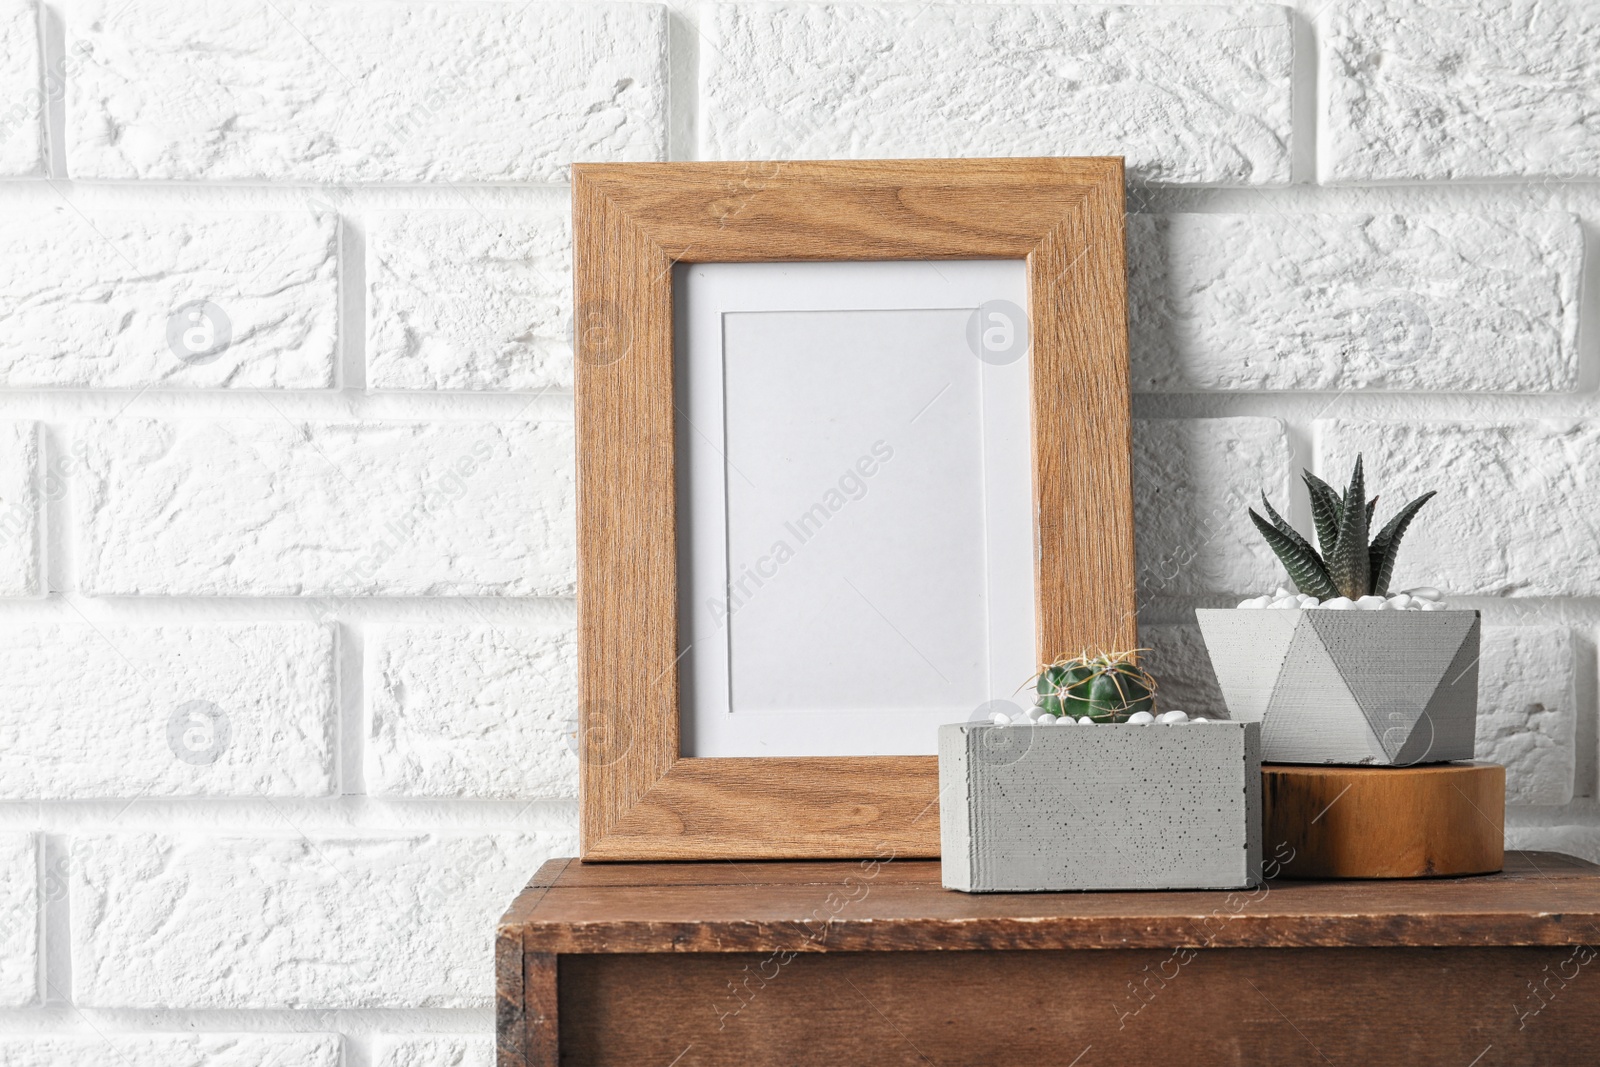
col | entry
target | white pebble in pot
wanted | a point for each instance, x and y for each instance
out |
(1139, 718)
(1173, 716)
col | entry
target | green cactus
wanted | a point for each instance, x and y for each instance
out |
(1349, 564)
(1106, 688)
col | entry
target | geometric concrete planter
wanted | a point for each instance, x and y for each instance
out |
(1025, 808)
(1382, 688)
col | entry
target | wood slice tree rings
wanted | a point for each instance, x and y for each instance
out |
(1385, 822)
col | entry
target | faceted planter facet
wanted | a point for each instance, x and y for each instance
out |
(1383, 688)
(1111, 806)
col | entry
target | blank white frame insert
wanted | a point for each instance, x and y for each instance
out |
(855, 487)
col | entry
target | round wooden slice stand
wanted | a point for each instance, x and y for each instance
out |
(1385, 822)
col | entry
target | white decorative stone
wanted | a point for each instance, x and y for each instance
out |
(1139, 718)
(1084, 720)
(175, 300)
(22, 103)
(1337, 603)
(1046, 719)
(174, 1050)
(1527, 710)
(359, 92)
(1478, 302)
(1424, 90)
(1193, 480)
(21, 511)
(481, 711)
(469, 299)
(1187, 94)
(107, 710)
(1116, 807)
(247, 508)
(1518, 508)
(434, 1051)
(217, 921)
(1376, 688)
(19, 921)
(1173, 716)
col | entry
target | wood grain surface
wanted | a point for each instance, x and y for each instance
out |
(892, 905)
(872, 962)
(1464, 1007)
(1387, 822)
(631, 223)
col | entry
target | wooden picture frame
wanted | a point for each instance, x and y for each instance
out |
(639, 799)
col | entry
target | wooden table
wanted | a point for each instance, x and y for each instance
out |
(873, 963)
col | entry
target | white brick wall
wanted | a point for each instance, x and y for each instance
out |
(104, 299)
(472, 711)
(20, 88)
(435, 1052)
(469, 300)
(19, 920)
(194, 1050)
(286, 454)
(1325, 302)
(349, 91)
(128, 711)
(386, 509)
(1417, 90)
(202, 920)
(1196, 94)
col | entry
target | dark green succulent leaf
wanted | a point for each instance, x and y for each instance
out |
(1372, 506)
(1325, 510)
(1349, 566)
(1305, 567)
(1288, 531)
(1386, 546)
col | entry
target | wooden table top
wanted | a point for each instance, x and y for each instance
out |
(1541, 898)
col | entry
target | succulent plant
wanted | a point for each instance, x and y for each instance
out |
(1349, 565)
(1106, 688)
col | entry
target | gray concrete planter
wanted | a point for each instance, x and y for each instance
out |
(1032, 808)
(1385, 688)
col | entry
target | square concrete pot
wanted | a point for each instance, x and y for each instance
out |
(1027, 808)
(1384, 688)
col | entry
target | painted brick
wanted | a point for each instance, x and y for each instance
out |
(360, 92)
(1187, 94)
(1193, 480)
(469, 300)
(19, 920)
(472, 711)
(174, 1050)
(105, 299)
(435, 1052)
(1573, 840)
(1526, 707)
(1518, 511)
(1527, 710)
(1178, 661)
(1306, 302)
(331, 509)
(1417, 92)
(22, 103)
(127, 711)
(21, 511)
(212, 921)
